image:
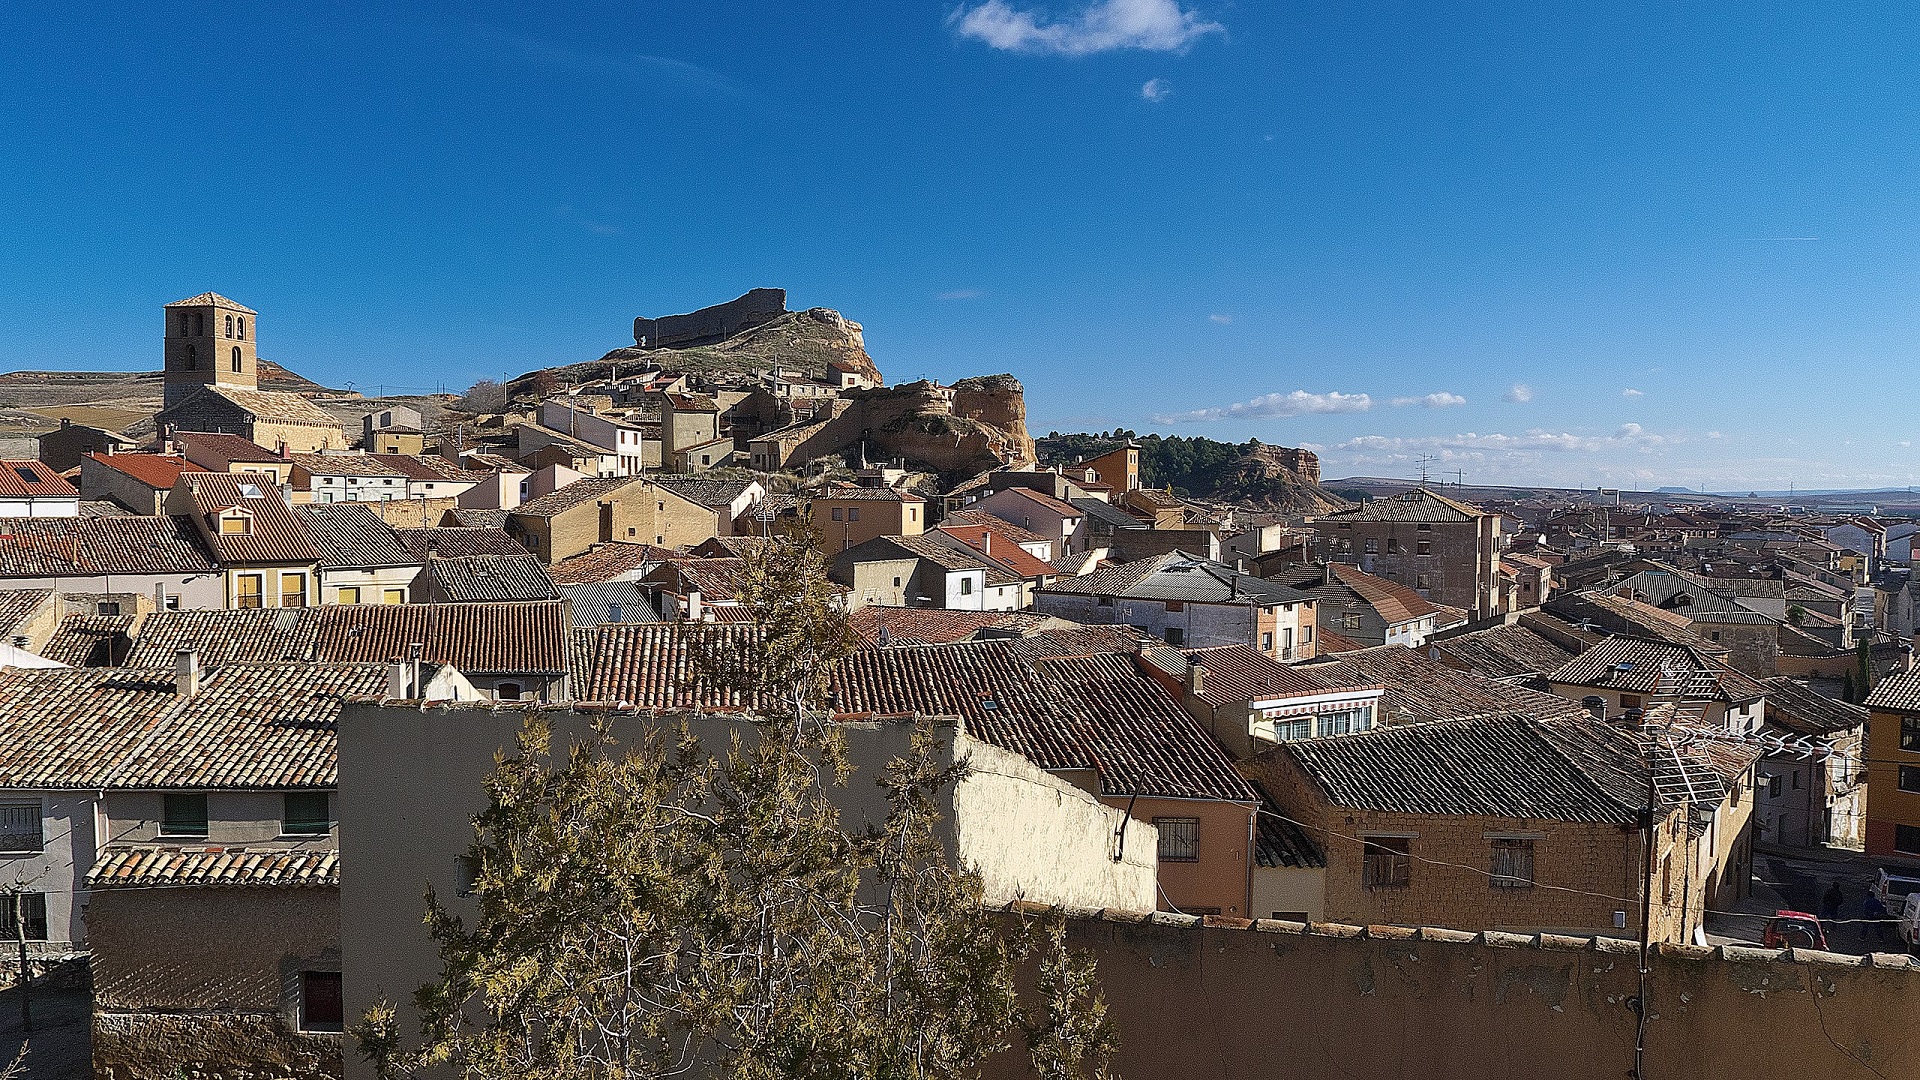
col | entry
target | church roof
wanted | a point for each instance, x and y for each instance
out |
(213, 299)
(275, 406)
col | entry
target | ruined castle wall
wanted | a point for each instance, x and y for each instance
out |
(710, 324)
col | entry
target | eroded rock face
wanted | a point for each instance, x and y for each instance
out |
(1279, 478)
(958, 431)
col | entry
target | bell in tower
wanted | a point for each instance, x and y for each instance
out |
(209, 342)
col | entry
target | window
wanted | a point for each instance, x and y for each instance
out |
(293, 590)
(1350, 621)
(305, 813)
(1512, 864)
(1306, 634)
(1373, 546)
(1386, 862)
(109, 607)
(853, 513)
(20, 827)
(1423, 527)
(240, 327)
(1629, 701)
(247, 589)
(1345, 722)
(836, 513)
(1910, 733)
(321, 1008)
(633, 532)
(466, 874)
(229, 329)
(236, 524)
(1422, 581)
(1907, 838)
(1773, 787)
(1176, 636)
(349, 594)
(236, 358)
(1176, 605)
(1266, 642)
(1714, 634)
(33, 915)
(507, 691)
(173, 602)
(896, 583)
(1909, 779)
(1393, 545)
(394, 596)
(183, 815)
(966, 586)
(1104, 601)
(1179, 838)
(1423, 547)
(1293, 727)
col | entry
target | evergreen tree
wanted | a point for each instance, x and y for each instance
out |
(648, 908)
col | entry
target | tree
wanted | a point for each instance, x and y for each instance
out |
(647, 907)
(1863, 657)
(484, 396)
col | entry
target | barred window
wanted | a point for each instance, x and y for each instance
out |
(1293, 727)
(1910, 733)
(1179, 838)
(1387, 861)
(32, 908)
(1512, 864)
(20, 827)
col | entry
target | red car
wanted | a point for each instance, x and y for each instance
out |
(1794, 928)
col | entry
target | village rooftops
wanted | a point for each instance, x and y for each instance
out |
(272, 405)
(606, 562)
(857, 493)
(1900, 693)
(474, 579)
(1419, 689)
(428, 468)
(247, 726)
(274, 533)
(879, 626)
(712, 494)
(1805, 711)
(344, 465)
(981, 540)
(1393, 601)
(1048, 502)
(1107, 514)
(92, 546)
(157, 471)
(1638, 666)
(149, 866)
(352, 535)
(1503, 652)
(560, 500)
(1002, 528)
(1419, 505)
(484, 639)
(1179, 576)
(1242, 674)
(32, 478)
(457, 540)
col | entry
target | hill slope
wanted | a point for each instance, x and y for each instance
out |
(1251, 474)
(804, 341)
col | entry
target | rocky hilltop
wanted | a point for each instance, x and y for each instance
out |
(1252, 474)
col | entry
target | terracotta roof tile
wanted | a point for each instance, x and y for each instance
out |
(235, 867)
(90, 546)
(474, 579)
(609, 561)
(33, 478)
(458, 540)
(157, 471)
(278, 535)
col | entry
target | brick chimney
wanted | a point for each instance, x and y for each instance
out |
(186, 673)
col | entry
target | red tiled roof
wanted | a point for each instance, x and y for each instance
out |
(935, 626)
(1000, 526)
(145, 867)
(157, 471)
(1000, 549)
(220, 444)
(1238, 674)
(32, 478)
(650, 665)
(608, 561)
(1066, 510)
(278, 534)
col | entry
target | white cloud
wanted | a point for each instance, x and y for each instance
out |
(1441, 400)
(1629, 437)
(1220, 317)
(960, 294)
(1274, 406)
(1520, 394)
(1156, 90)
(1630, 392)
(1100, 26)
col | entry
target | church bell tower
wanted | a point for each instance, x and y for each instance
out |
(210, 342)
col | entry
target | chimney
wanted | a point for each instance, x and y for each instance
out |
(398, 688)
(66, 421)
(159, 596)
(1327, 575)
(285, 454)
(186, 673)
(613, 612)
(1196, 680)
(693, 605)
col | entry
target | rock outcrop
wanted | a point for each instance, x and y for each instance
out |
(1277, 478)
(810, 342)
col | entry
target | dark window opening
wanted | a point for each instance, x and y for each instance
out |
(306, 813)
(1386, 862)
(32, 914)
(1907, 838)
(20, 828)
(183, 815)
(1909, 778)
(1179, 839)
(321, 1007)
(1512, 864)
(507, 691)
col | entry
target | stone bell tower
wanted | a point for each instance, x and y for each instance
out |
(210, 342)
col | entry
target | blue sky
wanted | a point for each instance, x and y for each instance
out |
(1653, 243)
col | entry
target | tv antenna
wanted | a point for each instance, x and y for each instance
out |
(1424, 461)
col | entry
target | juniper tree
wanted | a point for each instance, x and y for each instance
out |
(648, 906)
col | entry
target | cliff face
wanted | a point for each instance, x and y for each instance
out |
(808, 341)
(958, 431)
(1277, 478)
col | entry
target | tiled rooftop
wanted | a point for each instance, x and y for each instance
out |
(352, 535)
(90, 546)
(149, 866)
(32, 478)
(473, 579)
(458, 540)
(157, 471)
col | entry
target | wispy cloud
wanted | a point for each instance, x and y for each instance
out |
(961, 294)
(1441, 400)
(1100, 26)
(1537, 440)
(1220, 317)
(1630, 392)
(1274, 407)
(664, 71)
(1520, 393)
(1156, 90)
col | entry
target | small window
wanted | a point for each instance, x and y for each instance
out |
(1910, 733)
(349, 594)
(836, 513)
(20, 828)
(1350, 620)
(183, 815)
(173, 602)
(1423, 547)
(853, 513)
(633, 532)
(1266, 641)
(293, 590)
(1422, 581)
(306, 813)
(321, 1007)
(109, 607)
(966, 586)
(507, 691)
(1714, 635)
(236, 525)
(1423, 527)
(394, 596)
(1179, 838)
(240, 327)
(236, 358)
(1176, 605)
(1393, 545)
(26, 474)
(1386, 862)
(1373, 546)
(1773, 786)
(1512, 864)
(1629, 701)
(229, 329)
(896, 583)
(1907, 838)
(1104, 601)
(1176, 636)
(1910, 778)
(1293, 727)
(33, 916)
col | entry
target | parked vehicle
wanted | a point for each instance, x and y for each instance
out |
(1908, 928)
(1795, 929)
(1892, 888)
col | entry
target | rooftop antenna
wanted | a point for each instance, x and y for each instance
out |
(1425, 460)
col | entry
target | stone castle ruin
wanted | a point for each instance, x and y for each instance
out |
(711, 324)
